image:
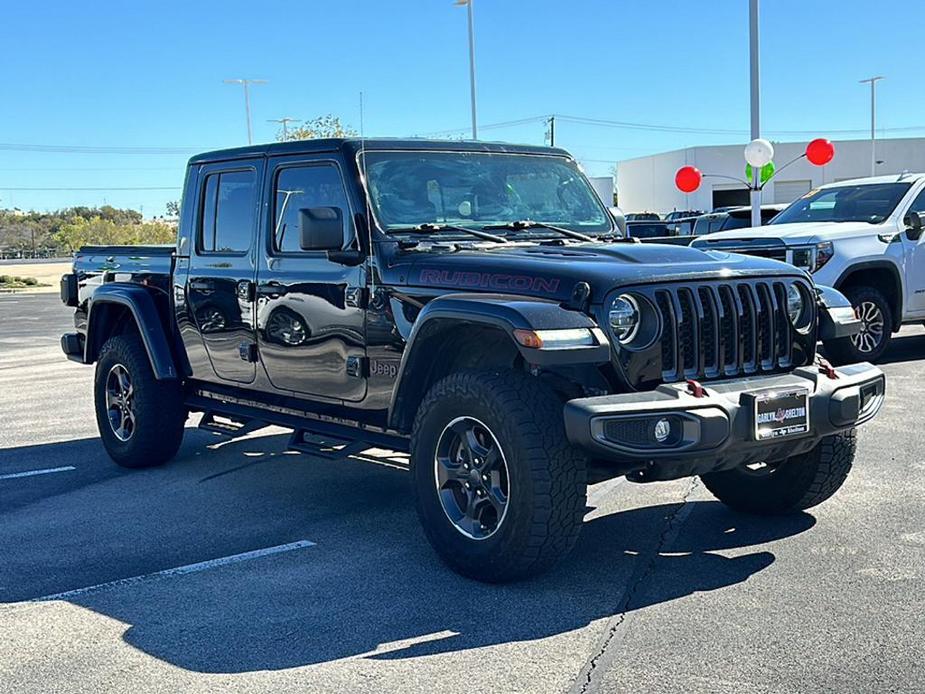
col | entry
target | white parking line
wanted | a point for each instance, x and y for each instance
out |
(178, 571)
(33, 473)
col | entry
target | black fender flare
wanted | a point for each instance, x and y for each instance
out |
(878, 265)
(139, 301)
(505, 312)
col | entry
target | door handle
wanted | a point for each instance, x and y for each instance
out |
(272, 289)
(201, 285)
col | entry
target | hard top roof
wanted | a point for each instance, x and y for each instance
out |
(352, 145)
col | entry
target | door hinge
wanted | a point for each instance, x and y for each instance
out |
(356, 297)
(248, 351)
(357, 367)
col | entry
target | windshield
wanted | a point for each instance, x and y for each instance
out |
(479, 189)
(865, 203)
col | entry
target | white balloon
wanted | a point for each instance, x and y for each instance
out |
(759, 152)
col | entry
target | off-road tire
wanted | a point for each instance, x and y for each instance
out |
(843, 350)
(548, 487)
(798, 483)
(158, 406)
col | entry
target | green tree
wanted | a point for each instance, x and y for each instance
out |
(322, 126)
(173, 208)
(99, 231)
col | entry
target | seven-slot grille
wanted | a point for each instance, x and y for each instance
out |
(723, 329)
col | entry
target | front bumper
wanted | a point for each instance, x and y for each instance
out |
(717, 431)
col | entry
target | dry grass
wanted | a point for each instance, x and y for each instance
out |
(46, 273)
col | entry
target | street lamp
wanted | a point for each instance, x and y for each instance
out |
(873, 120)
(755, 103)
(468, 4)
(284, 122)
(247, 102)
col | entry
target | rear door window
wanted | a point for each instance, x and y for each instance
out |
(229, 212)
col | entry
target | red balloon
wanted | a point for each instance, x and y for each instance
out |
(688, 179)
(820, 151)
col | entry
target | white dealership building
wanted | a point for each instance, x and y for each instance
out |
(646, 184)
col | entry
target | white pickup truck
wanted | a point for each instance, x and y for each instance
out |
(863, 237)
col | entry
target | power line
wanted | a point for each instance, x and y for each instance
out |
(660, 127)
(91, 168)
(85, 149)
(103, 188)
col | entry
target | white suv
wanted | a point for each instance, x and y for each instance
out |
(863, 237)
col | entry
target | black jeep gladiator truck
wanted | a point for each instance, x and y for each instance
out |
(472, 304)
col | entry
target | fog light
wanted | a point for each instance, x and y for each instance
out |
(662, 430)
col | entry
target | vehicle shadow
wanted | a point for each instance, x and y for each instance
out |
(371, 587)
(905, 347)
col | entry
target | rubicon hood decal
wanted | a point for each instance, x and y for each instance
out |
(499, 281)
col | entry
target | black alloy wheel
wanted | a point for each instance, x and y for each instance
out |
(472, 478)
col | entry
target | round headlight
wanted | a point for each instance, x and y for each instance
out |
(624, 317)
(794, 303)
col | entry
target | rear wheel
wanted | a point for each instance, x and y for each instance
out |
(140, 419)
(499, 490)
(792, 485)
(871, 306)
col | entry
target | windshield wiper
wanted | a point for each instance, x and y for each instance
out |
(428, 227)
(530, 224)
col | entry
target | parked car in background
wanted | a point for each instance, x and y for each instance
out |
(733, 218)
(642, 216)
(646, 229)
(863, 237)
(675, 215)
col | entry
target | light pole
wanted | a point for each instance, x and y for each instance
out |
(873, 120)
(247, 102)
(468, 4)
(755, 102)
(285, 121)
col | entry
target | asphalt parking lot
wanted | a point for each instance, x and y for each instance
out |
(241, 566)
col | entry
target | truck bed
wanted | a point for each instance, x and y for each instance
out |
(96, 265)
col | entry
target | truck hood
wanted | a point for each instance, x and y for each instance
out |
(552, 271)
(796, 233)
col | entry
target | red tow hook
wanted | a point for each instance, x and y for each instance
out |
(695, 388)
(826, 368)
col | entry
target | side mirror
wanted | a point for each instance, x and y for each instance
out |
(321, 229)
(913, 222)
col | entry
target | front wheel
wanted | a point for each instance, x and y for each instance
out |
(499, 490)
(795, 484)
(872, 308)
(140, 419)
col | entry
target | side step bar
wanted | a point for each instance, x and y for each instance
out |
(330, 447)
(229, 425)
(318, 437)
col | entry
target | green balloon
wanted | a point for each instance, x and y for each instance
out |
(766, 172)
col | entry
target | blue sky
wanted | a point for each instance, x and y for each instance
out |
(115, 74)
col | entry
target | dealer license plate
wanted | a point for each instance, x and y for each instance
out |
(781, 413)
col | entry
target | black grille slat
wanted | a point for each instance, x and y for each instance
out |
(784, 335)
(747, 332)
(682, 330)
(733, 351)
(669, 336)
(723, 329)
(691, 323)
(710, 324)
(764, 322)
